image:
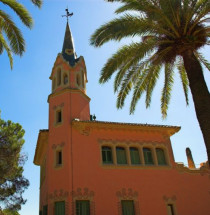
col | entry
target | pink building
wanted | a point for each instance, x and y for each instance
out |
(91, 167)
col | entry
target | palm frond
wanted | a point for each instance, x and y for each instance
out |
(201, 58)
(184, 79)
(21, 11)
(125, 26)
(133, 52)
(13, 34)
(38, 3)
(153, 75)
(6, 47)
(166, 92)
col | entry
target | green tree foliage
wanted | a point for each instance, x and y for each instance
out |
(12, 182)
(14, 42)
(9, 212)
(169, 35)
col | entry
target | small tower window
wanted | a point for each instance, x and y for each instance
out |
(58, 158)
(65, 79)
(58, 116)
(59, 77)
(78, 80)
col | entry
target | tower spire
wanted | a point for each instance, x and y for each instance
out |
(68, 50)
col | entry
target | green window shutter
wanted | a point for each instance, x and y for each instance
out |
(40, 212)
(107, 155)
(134, 154)
(82, 207)
(121, 155)
(60, 208)
(128, 207)
(45, 209)
(161, 156)
(148, 156)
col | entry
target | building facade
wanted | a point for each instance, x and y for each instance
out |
(90, 167)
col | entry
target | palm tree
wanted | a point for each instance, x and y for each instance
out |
(13, 34)
(169, 34)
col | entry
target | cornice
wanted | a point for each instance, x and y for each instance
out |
(85, 127)
(183, 169)
(66, 90)
(41, 144)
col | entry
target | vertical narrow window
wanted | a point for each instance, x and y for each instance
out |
(148, 159)
(59, 77)
(128, 207)
(161, 156)
(60, 208)
(134, 154)
(65, 79)
(82, 207)
(83, 80)
(121, 155)
(107, 155)
(170, 209)
(58, 116)
(45, 210)
(78, 80)
(59, 158)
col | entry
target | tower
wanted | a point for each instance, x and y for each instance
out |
(67, 101)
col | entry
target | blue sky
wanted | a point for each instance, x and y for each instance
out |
(24, 90)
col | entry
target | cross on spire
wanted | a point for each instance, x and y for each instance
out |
(67, 14)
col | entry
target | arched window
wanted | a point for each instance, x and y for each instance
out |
(121, 155)
(65, 79)
(53, 83)
(107, 155)
(78, 80)
(134, 154)
(161, 156)
(148, 159)
(58, 77)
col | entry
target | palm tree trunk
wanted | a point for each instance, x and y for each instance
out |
(200, 94)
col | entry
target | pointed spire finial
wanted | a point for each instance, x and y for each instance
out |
(67, 14)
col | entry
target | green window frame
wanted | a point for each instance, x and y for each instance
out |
(121, 155)
(107, 155)
(161, 156)
(128, 207)
(134, 155)
(45, 209)
(60, 208)
(148, 158)
(82, 207)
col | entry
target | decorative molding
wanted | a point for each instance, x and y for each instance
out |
(55, 146)
(203, 171)
(169, 199)
(127, 194)
(83, 194)
(58, 195)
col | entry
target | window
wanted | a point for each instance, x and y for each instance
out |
(82, 207)
(78, 80)
(58, 158)
(134, 154)
(121, 155)
(40, 212)
(58, 116)
(59, 77)
(65, 79)
(60, 208)
(45, 209)
(107, 155)
(170, 209)
(161, 156)
(148, 159)
(128, 207)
